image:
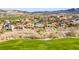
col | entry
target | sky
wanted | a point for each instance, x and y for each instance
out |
(35, 9)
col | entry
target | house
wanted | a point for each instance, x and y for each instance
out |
(39, 25)
(7, 25)
(18, 27)
(62, 24)
(29, 25)
(74, 22)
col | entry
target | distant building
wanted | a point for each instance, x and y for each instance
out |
(39, 25)
(7, 25)
(62, 24)
(18, 27)
(29, 25)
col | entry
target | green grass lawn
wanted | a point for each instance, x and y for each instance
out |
(29, 44)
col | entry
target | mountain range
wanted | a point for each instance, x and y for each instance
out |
(72, 10)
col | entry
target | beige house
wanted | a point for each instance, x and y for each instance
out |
(29, 25)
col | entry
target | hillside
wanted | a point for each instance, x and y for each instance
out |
(13, 12)
(23, 24)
